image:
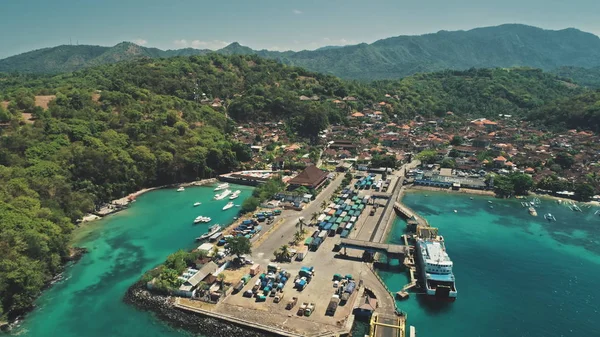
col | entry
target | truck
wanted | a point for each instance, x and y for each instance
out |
(278, 297)
(301, 284)
(301, 309)
(316, 244)
(348, 290)
(272, 267)
(301, 253)
(255, 269)
(238, 287)
(291, 303)
(332, 306)
(309, 309)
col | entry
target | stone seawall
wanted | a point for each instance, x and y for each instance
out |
(163, 308)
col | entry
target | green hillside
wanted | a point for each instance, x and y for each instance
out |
(509, 45)
(116, 128)
(589, 77)
(580, 112)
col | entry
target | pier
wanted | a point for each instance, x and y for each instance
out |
(392, 251)
(387, 325)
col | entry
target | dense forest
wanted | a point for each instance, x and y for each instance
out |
(579, 112)
(116, 128)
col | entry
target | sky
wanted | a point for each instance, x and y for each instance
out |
(267, 24)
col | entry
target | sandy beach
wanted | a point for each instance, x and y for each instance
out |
(448, 190)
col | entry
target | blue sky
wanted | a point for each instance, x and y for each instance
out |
(270, 24)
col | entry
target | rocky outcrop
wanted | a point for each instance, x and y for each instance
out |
(162, 306)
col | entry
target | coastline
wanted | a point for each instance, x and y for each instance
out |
(163, 307)
(440, 189)
(122, 203)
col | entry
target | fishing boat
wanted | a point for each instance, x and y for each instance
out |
(211, 230)
(532, 211)
(228, 206)
(222, 186)
(181, 189)
(197, 204)
(202, 219)
(235, 195)
(549, 217)
(222, 195)
(576, 208)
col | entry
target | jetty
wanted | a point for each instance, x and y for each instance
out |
(383, 325)
(392, 251)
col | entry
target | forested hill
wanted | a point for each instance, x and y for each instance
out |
(579, 112)
(509, 45)
(589, 77)
(113, 129)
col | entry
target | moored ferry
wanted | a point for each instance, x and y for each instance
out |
(436, 269)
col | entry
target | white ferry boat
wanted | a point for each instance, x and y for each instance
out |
(222, 186)
(235, 195)
(211, 230)
(181, 189)
(222, 195)
(436, 269)
(202, 219)
(228, 206)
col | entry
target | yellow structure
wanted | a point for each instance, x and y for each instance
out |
(387, 325)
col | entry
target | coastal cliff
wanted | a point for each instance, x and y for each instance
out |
(163, 307)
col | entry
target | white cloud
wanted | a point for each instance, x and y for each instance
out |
(199, 44)
(181, 43)
(140, 42)
(297, 11)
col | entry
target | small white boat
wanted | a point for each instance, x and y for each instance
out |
(202, 219)
(235, 195)
(228, 206)
(489, 201)
(549, 217)
(222, 186)
(222, 195)
(455, 211)
(197, 204)
(181, 189)
(211, 230)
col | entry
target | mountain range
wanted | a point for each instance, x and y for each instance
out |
(507, 45)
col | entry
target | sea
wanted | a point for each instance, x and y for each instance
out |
(517, 275)
(87, 302)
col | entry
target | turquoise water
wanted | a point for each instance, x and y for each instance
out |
(87, 302)
(517, 275)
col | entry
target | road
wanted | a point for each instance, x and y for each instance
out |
(285, 231)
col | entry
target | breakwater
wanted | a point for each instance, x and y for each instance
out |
(163, 307)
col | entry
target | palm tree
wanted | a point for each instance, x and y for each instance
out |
(323, 204)
(298, 236)
(221, 278)
(301, 223)
(314, 216)
(283, 253)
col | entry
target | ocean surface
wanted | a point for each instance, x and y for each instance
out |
(516, 275)
(87, 302)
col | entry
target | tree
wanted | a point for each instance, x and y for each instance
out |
(427, 156)
(221, 279)
(250, 204)
(454, 153)
(239, 245)
(314, 216)
(448, 163)
(456, 140)
(564, 159)
(283, 254)
(298, 236)
(584, 192)
(300, 224)
(323, 204)
(522, 183)
(503, 186)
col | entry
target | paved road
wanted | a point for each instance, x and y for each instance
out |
(285, 231)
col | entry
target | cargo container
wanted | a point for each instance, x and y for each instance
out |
(345, 233)
(333, 230)
(255, 269)
(308, 241)
(322, 234)
(261, 298)
(302, 252)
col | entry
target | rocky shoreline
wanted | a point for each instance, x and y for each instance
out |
(163, 308)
